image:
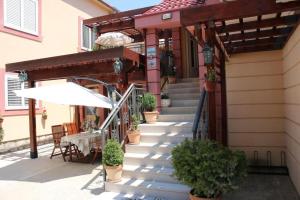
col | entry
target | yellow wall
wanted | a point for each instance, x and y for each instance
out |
(255, 104)
(60, 36)
(291, 77)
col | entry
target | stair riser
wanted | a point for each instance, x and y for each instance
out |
(188, 80)
(147, 161)
(184, 96)
(179, 110)
(168, 195)
(170, 139)
(184, 90)
(149, 176)
(166, 130)
(184, 85)
(176, 118)
(139, 149)
(185, 103)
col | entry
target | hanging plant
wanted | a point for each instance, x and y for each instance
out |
(44, 113)
(211, 78)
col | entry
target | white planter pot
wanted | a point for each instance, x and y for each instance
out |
(166, 102)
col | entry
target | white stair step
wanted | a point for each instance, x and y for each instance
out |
(123, 196)
(179, 110)
(166, 127)
(176, 118)
(149, 173)
(151, 159)
(184, 85)
(155, 147)
(185, 103)
(168, 191)
(184, 90)
(165, 137)
(185, 80)
(184, 96)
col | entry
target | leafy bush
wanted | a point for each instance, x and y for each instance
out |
(1, 134)
(113, 154)
(211, 74)
(134, 122)
(208, 168)
(149, 102)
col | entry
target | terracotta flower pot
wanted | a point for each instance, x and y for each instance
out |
(172, 79)
(134, 137)
(210, 86)
(192, 197)
(151, 117)
(114, 173)
(166, 103)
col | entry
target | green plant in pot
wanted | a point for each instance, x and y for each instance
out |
(1, 134)
(149, 104)
(211, 78)
(208, 168)
(165, 100)
(133, 133)
(113, 157)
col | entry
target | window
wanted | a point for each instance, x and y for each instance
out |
(88, 37)
(21, 15)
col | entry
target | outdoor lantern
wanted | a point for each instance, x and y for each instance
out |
(23, 76)
(118, 66)
(208, 54)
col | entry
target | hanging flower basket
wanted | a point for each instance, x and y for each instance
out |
(44, 114)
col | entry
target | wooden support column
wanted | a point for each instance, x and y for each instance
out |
(77, 117)
(176, 42)
(32, 125)
(224, 100)
(153, 64)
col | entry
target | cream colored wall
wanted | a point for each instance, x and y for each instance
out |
(60, 36)
(255, 104)
(291, 77)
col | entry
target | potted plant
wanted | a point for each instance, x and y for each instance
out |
(44, 114)
(211, 79)
(165, 100)
(208, 168)
(133, 133)
(149, 104)
(113, 156)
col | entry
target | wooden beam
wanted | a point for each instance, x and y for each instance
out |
(260, 42)
(287, 20)
(234, 10)
(32, 124)
(247, 49)
(130, 13)
(223, 100)
(251, 35)
(117, 26)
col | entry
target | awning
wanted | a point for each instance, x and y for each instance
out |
(66, 94)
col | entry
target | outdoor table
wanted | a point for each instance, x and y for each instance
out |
(84, 141)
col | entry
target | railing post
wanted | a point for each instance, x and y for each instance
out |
(134, 103)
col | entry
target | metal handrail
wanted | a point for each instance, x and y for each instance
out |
(200, 109)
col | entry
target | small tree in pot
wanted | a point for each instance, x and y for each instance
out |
(113, 157)
(208, 168)
(165, 100)
(133, 133)
(149, 104)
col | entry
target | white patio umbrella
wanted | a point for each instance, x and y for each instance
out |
(113, 39)
(66, 94)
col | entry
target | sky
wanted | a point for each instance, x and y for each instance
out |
(123, 5)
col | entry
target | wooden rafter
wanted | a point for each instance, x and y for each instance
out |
(235, 10)
(259, 42)
(269, 47)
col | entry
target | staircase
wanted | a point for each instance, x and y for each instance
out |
(147, 170)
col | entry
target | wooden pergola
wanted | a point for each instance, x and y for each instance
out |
(96, 64)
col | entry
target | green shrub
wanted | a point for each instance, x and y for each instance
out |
(113, 154)
(1, 134)
(134, 122)
(149, 102)
(211, 74)
(165, 96)
(208, 168)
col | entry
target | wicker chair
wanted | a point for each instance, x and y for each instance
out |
(58, 132)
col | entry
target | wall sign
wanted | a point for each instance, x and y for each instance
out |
(151, 52)
(166, 16)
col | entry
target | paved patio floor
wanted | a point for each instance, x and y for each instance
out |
(42, 178)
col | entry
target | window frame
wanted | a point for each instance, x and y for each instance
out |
(90, 38)
(23, 106)
(21, 28)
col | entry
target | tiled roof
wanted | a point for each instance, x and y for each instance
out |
(171, 5)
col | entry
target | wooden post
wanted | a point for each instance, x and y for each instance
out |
(224, 101)
(32, 125)
(77, 117)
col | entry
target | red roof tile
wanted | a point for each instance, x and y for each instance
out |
(171, 5)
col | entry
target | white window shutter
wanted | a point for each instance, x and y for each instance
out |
(13, 16)
(12, 99)
(30, 9)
